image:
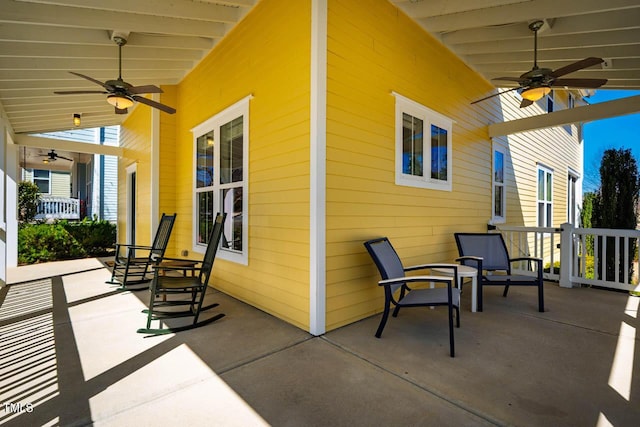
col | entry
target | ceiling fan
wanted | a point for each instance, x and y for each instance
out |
(119, 93)
(52, 156)
(537, 82)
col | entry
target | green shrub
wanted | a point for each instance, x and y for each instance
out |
(97, 237)
(588, 272)
(65, 240)
(46, 242)
(28, 197)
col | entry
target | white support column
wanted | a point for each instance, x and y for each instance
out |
(11, 201)
(155, 166)
(318, 154)
(566, 255)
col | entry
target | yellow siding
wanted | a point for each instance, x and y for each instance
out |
(168, 154)
(135, 138)
(374, 49)
(266, 55)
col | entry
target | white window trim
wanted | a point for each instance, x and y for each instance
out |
(499, 147)
(573, 174)
(549, 171)
(429, 117)
(240, 108)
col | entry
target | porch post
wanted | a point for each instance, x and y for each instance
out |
(566, 255)
(318, 154)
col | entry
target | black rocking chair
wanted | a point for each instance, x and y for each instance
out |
(129, 268)
(165, 288)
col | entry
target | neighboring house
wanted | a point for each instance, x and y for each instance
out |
(91, 179)
(316, 138)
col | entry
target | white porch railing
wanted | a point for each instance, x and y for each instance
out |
(568, 247)
(50, 207)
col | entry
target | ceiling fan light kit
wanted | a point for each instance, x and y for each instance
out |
(76, 119)
(535, 93)
(538, 82)
(120, 101)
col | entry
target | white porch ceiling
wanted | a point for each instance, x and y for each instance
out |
(41, 40)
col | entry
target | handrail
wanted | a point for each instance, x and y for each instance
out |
(55, 207)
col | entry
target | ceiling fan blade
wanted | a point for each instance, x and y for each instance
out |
(154, 104)
(91, 79)
(494, 94)
(136, 90)
(580, 83)
(78, 92)
(587, 62)
(511, 79)
(65, 158)
(525, 103)
(121, 110)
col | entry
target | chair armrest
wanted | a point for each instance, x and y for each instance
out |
(410, 279)
(425, 266)
(525, 258)
(160, 259)
(127, 245)
(469, 257)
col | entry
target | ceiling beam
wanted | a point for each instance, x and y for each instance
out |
(90, 18)
(523, 11)
(185, 9)
(619, 107)
(64, 145)
(77, 64)
(615, 19)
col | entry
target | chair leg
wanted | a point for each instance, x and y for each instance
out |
(452, 351)
(457, 317)
(506, 289)
(479, 296)
(383, 321)
(541, 297)
(152, 301)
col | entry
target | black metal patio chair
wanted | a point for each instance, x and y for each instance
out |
(487, 252)
(168, 292)
(130, 267)
(395, 280)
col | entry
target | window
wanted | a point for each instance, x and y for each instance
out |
(221, 147)
(499, 195)
(570, 101)
(550, 102)
(42, 178)
(423, 146)
(572, 211)
(545, 197)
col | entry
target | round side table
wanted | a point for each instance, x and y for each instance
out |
(465, 271)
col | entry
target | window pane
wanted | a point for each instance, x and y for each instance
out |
(498, 165)
(549, 186)
(541, 211)
(498, 201)
(40, 173)
(540, 184)
(232, 206)
(438, 153)
(231, 151)
(205, 159)
(548, 218)
(43, 185)
(206, 216)
(412, 145)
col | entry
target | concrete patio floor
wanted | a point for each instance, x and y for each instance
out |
(70, 355)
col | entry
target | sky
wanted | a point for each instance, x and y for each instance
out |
(615, 132)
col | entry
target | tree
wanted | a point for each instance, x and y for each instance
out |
(616, 204)
(28, 197)
(585, 218)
